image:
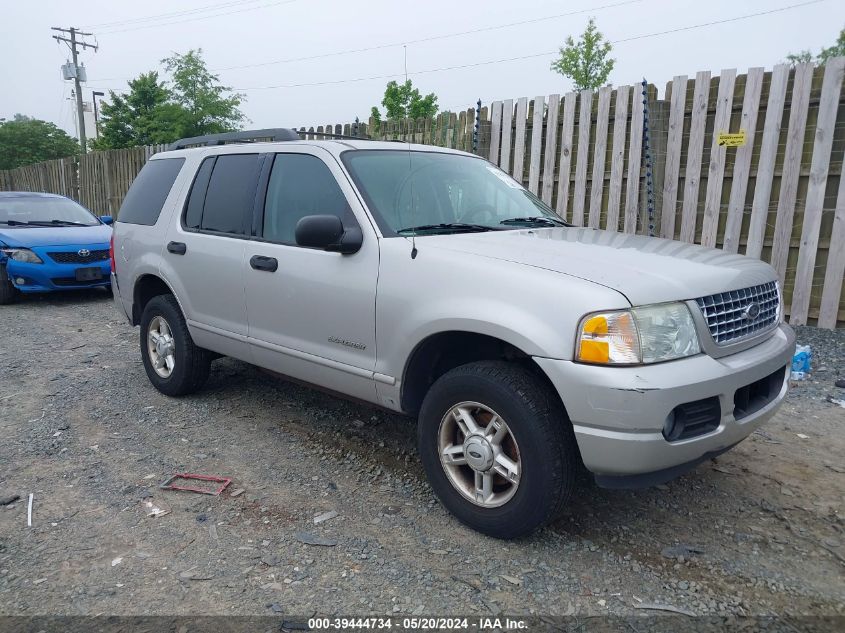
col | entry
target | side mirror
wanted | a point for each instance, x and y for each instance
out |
(106, 219)
(327, 232)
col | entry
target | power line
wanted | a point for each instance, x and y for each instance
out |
(716, 22)
(395, 75)
(172, 14)
(197, 18)
(431, 38)
(415, 41)
(535, 55)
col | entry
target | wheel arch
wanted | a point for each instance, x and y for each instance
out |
(442, 351)
(146, 287)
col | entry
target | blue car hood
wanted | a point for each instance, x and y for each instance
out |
(58, 236)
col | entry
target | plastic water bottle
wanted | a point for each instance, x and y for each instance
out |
(802, 361)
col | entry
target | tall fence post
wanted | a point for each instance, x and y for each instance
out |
(477, 127)
(658, 130)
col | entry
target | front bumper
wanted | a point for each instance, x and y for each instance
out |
(52, 276)
(618, 413)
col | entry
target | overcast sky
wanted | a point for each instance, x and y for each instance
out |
(134, 36)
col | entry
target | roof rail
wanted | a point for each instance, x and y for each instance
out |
(243, 136)
(333, 135)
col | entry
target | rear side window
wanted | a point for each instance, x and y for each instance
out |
(300, 185)
(230, 196)
(196, 199)
(143, 203)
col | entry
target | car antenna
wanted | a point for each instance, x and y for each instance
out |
(410, 171)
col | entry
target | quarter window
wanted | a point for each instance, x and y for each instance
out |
(300, 185)
(149, 191)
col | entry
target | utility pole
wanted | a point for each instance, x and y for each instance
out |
(73, 43)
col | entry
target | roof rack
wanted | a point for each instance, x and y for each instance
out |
(250, 136)
(243, 136)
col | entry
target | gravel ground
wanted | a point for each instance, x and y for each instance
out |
(758, 531)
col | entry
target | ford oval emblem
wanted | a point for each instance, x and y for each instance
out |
(752, 311)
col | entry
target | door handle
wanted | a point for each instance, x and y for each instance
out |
(259, 262)
(177, 248)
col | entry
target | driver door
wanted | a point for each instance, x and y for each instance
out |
(311, 312)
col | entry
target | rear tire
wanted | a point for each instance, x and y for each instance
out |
(174, 365)
(533, 468)
(8, 292)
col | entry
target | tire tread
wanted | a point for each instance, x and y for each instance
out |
(197, 360)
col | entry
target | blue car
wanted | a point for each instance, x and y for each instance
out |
(48, 243)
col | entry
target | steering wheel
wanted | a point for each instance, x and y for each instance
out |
(481, 214)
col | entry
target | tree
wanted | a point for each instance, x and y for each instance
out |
(206, 108)
(837, 50)
(145, 116)
(403, 100)
(587, 62)
(25, 140)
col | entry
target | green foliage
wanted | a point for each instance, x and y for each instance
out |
(192, 103)
(799, 58)
(403, 100)
(25, 140)
(206, 107)
(145, 116)
(587, 62)
(826, 53)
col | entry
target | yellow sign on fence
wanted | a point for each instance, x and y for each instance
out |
(731, 139)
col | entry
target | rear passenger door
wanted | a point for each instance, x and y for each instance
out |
(312, 312)
(204, 256)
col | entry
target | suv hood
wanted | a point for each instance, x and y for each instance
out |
(644, 269)
(55, 236)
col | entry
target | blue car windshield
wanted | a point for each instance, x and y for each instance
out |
(37, 211)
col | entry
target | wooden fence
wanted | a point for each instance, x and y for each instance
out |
(98, 180)
(621, 159)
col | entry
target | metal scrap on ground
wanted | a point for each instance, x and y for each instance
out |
(223, 481)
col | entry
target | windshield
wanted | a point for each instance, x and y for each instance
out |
(37, 211)
(430, 192)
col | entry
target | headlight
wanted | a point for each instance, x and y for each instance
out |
(649, 334)
(22, 255)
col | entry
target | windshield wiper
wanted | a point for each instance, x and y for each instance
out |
(448, 226)
(44, 223)
(59, 223)
(536, 219)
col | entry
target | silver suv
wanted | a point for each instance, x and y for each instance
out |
(429, 282)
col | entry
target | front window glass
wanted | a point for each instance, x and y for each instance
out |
(37, 211)
(424, 192)
(300, 185)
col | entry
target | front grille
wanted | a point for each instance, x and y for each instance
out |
(72, 281)
(751, 398)
(727, 314)
(73, 257)
(693, 419)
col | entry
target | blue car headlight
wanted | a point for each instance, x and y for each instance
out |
(22, 255)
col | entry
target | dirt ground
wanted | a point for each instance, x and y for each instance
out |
(759, 531)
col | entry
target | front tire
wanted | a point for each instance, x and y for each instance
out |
(8, 292)
(174, 365)
(497, 447)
